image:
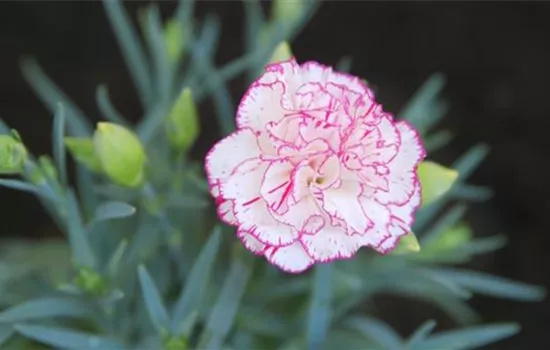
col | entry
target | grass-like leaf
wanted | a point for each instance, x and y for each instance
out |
(132, 50)
(58, 136)
(106, 107)
(223, 314)
(51, 95)
(66, 338)
(78, 239)
(376, 330)
(319, 316)
(468, 338)
(420, 334)
(44, 308)
(113, 210)
(197, 281)
(26, 187)
(6, 332)
(153, 301)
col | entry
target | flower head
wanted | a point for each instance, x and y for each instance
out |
(316, 169)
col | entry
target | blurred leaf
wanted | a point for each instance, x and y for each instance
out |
(436, 180)
(468, 338)
(113, 210)
(376, 330)
(186, 201)
(262, 322)
(51, 95)
(154, 34)
(26, 187)
(85, 183)
(467, 163)
(6, 332)
(197, 281)
(442, 228)
(78, 239)
(58, 135)
(109, 112)
(223, 314)
(419, 110)
(420, 334)
(116, 258)
(472, 193)
(437, 140)
(491, 285)
(346, 339)
(344, 64)
(44, 308)
(153, 301)
(320, 314)
(66, 338)
(254, 21)
(132, 50)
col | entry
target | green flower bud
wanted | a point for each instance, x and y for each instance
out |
(174, 39)
(182, 124)
(287, 11)
(13, 155)
(436, 180)
(83, 151)
(90, 281)
(173, 343)
(407, 244)
(48, 167)
(120, 154)
(281, 53)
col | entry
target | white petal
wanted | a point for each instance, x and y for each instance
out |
(329, 244)
(251, 211)
(342, 203)
(402, 177)
(292, 258)
(226, 212)
(251, 243)
(228, 153)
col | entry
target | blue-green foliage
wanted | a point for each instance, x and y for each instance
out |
(151, 268)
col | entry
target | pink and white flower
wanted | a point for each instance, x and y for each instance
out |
(316, 169)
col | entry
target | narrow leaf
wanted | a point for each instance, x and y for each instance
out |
(153, 301)
(51, 95)
(106, 107)
(195, 284)
(223, 314)
(438, 140)
(66, 338)
(495, 286)
(420, 334)
(6, 332)
(25, 187)
(154, 35)
(319, 316)
(466, 164)
(44, 308)
(443, 225)
(469, 338)
(416, 109)
(58, 136)
(132, 49)
(116, 258)
(78, 240)
(113, 210)
(377, 331)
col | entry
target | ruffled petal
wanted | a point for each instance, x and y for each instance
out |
(402, 176)
(229, 153)
(331, 243)
(292, 258)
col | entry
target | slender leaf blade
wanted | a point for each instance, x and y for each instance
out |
(78, 239)
(59, 152)
(319, 315)
(195, 284)
(113, 210)
(469, 338)
(66, 338)
(6, 332)
(106, 106)
(420, 334)
(153, 301)
(377, 331)
(44, 308)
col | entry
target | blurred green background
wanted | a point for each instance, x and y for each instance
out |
(494, 55)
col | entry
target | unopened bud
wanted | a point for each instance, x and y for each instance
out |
(174, 39)
(83, 151)
(182, 124)
(120, 154)
(13, 155)
(281, 53)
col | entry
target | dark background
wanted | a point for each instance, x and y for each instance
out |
(495, 55)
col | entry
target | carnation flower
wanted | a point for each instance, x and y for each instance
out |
(316, 169)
